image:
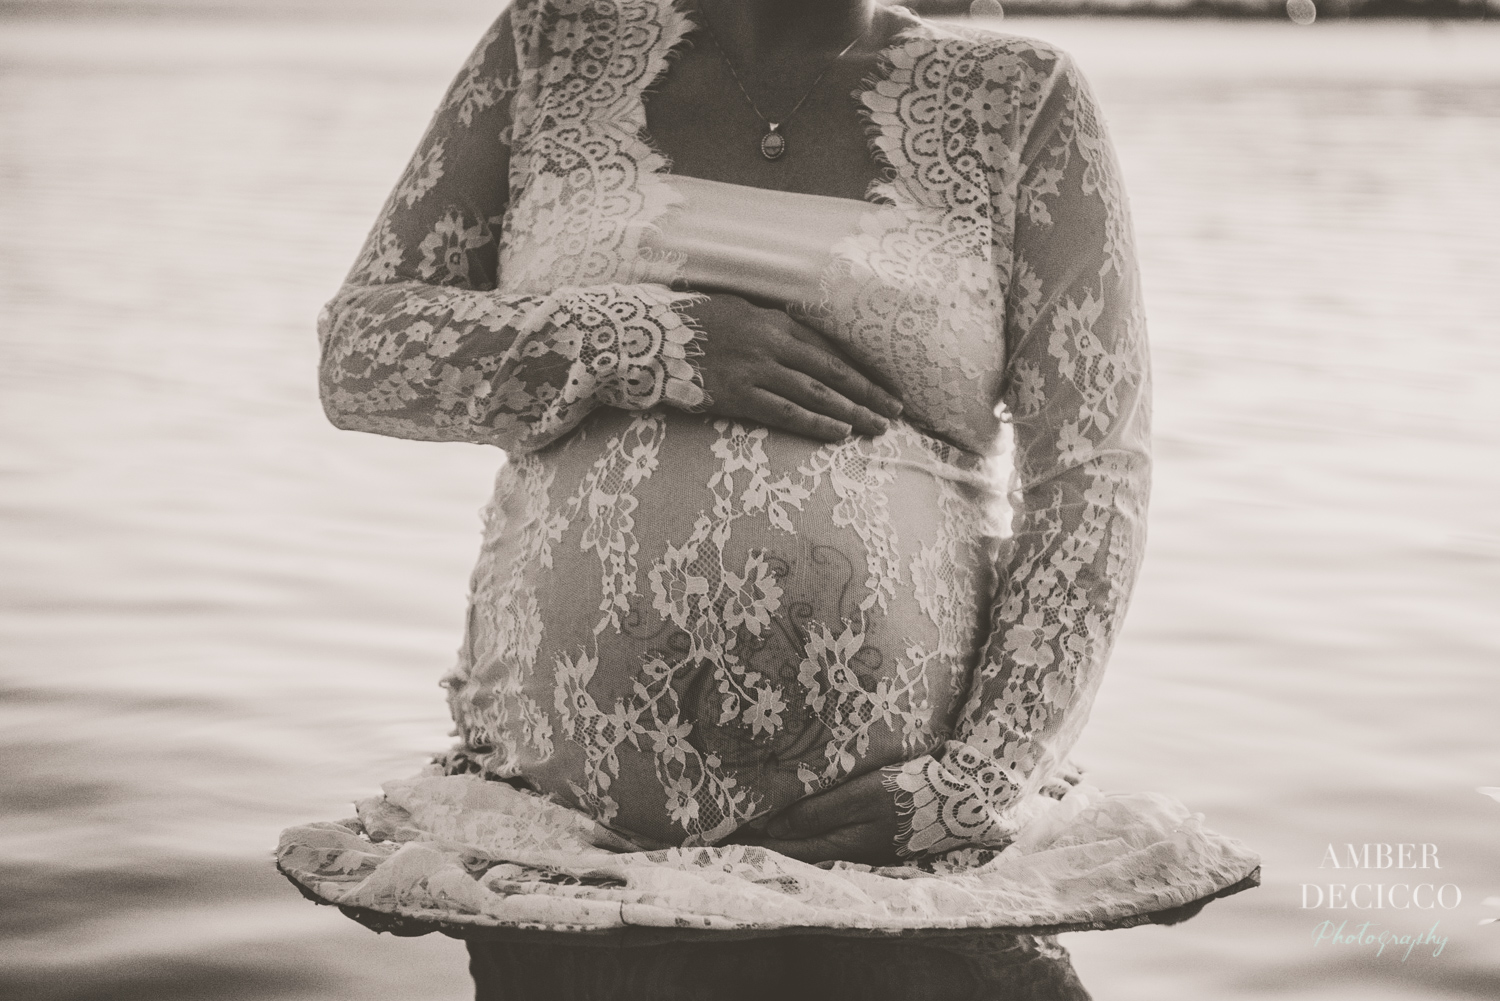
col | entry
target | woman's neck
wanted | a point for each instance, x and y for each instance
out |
(761, 32)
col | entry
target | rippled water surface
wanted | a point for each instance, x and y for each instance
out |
(219, 616)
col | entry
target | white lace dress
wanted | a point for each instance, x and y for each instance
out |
(681, 623)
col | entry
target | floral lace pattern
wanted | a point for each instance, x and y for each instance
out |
(420, 343)
(678, 623)
(760, 641)
(1075, 388)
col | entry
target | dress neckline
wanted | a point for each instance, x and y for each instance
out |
(876, 196)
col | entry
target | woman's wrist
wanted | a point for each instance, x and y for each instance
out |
(636, 346)
(944, 804)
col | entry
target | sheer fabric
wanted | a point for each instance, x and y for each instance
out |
(774, 247)
(680, 623)
(460, 853)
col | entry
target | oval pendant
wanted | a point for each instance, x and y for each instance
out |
(772, 144)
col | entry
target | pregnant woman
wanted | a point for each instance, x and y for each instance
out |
(812, 334)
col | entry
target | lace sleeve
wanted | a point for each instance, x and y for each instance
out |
(1077, 391)
(419, 344)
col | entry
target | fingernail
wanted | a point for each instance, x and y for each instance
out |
(881, 425)
(896, 408)
(778, 829)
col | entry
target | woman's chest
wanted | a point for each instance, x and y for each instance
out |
(905, 288)
(707, 126)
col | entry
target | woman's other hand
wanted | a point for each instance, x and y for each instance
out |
(855, 821)
(761, 365)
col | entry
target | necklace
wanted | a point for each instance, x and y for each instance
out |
(773, 143)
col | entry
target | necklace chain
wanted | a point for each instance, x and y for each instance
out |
(773, 143)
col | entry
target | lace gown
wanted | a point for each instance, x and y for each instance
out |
(680, 623)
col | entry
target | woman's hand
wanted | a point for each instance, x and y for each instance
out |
(761, 365)
(855, 821)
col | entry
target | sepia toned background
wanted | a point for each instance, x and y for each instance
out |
(220, 616)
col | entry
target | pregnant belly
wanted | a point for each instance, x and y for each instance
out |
(680, 623)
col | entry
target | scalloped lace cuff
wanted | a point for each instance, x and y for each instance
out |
(942, 807)
(635, 349)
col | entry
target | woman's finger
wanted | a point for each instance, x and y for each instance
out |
(815, 337)
(810, 817)
(818, 397)
(859, 801)
(812, 850)
(823, 364)
(867, 843)
(767, 407)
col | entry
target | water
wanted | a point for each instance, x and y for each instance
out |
(220, 616)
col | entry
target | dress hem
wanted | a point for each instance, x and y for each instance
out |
(401, 926)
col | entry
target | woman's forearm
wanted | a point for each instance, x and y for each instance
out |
(1077, 394)
(442, 363)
